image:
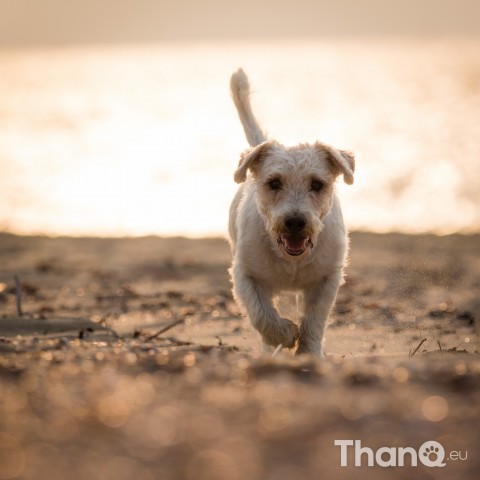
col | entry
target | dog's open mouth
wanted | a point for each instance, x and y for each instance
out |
(294, 245)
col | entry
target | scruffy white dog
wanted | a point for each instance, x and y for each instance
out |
(286, 230)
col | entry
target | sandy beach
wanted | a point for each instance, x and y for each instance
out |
(131, 360)
(123, 354)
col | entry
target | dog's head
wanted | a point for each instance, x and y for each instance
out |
(294, 190)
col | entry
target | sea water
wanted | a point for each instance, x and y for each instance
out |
(144, 139)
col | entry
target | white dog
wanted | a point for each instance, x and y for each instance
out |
(286, 230)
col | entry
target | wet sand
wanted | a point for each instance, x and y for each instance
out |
(131, 360)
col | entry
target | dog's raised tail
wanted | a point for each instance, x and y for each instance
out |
(240, 88)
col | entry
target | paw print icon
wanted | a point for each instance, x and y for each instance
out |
(432, 454)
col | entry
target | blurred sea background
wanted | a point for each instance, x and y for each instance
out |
(135, 138)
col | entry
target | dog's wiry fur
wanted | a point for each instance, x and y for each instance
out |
(286, 230)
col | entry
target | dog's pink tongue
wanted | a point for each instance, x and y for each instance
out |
(295, 244)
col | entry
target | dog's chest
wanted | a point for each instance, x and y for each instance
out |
(292, 276)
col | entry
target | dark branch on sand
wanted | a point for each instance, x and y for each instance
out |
(18, 296)
(418, 346)
(178, 342)
(165, 329)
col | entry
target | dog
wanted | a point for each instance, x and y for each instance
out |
(286, 231)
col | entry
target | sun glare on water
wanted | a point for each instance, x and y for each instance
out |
(144, 140)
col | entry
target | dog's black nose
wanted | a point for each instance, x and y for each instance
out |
(295, 224)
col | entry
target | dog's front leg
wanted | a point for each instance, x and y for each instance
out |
(319, 300)
(257, 301)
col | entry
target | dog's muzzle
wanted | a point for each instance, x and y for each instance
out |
(294, 244)
(294, 239)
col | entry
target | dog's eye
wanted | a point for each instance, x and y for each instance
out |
(316, 185)
(275, 184)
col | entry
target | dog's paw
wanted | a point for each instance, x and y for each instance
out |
(282, 332)
(309, 348)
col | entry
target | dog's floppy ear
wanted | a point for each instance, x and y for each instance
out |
(249, 160)
(342, 161)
